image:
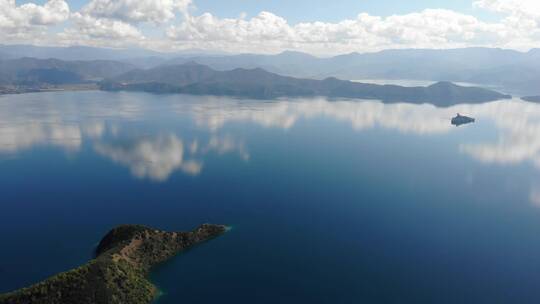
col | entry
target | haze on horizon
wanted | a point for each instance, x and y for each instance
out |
(262, 27)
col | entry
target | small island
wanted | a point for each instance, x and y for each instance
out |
(462, 120)
(118, 274)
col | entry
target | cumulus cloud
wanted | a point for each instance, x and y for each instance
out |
(30, 14)
(99, 31)
(28, 21)
(116, 23)
(521, 26)
(430, 28)
(129, 11)
(169, 25)
(209, 28)
(525, 7)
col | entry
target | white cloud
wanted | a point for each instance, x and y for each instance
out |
(430, 28)
(521, 26)
(209, 28)
(100, 31)
(52, 12)
(168, 25)
(525, 7)
(113, 23)
(134, 11)
(28, 21)
(116, 23)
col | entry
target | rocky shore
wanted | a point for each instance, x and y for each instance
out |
(118, 274)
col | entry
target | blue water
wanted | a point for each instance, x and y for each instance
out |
(329, 201)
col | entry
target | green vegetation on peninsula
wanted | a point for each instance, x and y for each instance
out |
(118, 274)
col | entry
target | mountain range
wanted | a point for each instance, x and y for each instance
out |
(32, 71)
(194, 78)
(513, 71)
(507, 70)
(77, 53)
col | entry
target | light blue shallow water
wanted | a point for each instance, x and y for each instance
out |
(330, 201)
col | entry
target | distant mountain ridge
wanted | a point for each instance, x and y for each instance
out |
(86, 53)
(531, 98)
(516, 72)
(193, 78)
(32, 71)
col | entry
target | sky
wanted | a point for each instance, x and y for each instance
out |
(320, 27)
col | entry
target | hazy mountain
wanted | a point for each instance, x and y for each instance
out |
(531, 98)
(146, 62)
(176, 74)
(134, 56)
(73, 53)
(287, 63)
(192, 78)
(54, 71)
(515, 71)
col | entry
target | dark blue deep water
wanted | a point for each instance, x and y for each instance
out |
(329, 201)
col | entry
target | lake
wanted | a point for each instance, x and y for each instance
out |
(329, 201)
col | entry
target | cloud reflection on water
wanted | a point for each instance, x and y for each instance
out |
(410, 118)
(518, 134)
(517, 122)
(155, 158)
(23, 136)
(69, 124)
(53, 119)
(227, 144)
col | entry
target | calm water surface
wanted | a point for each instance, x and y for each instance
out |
(330, 201)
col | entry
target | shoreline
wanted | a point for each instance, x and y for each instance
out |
(61, 88)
